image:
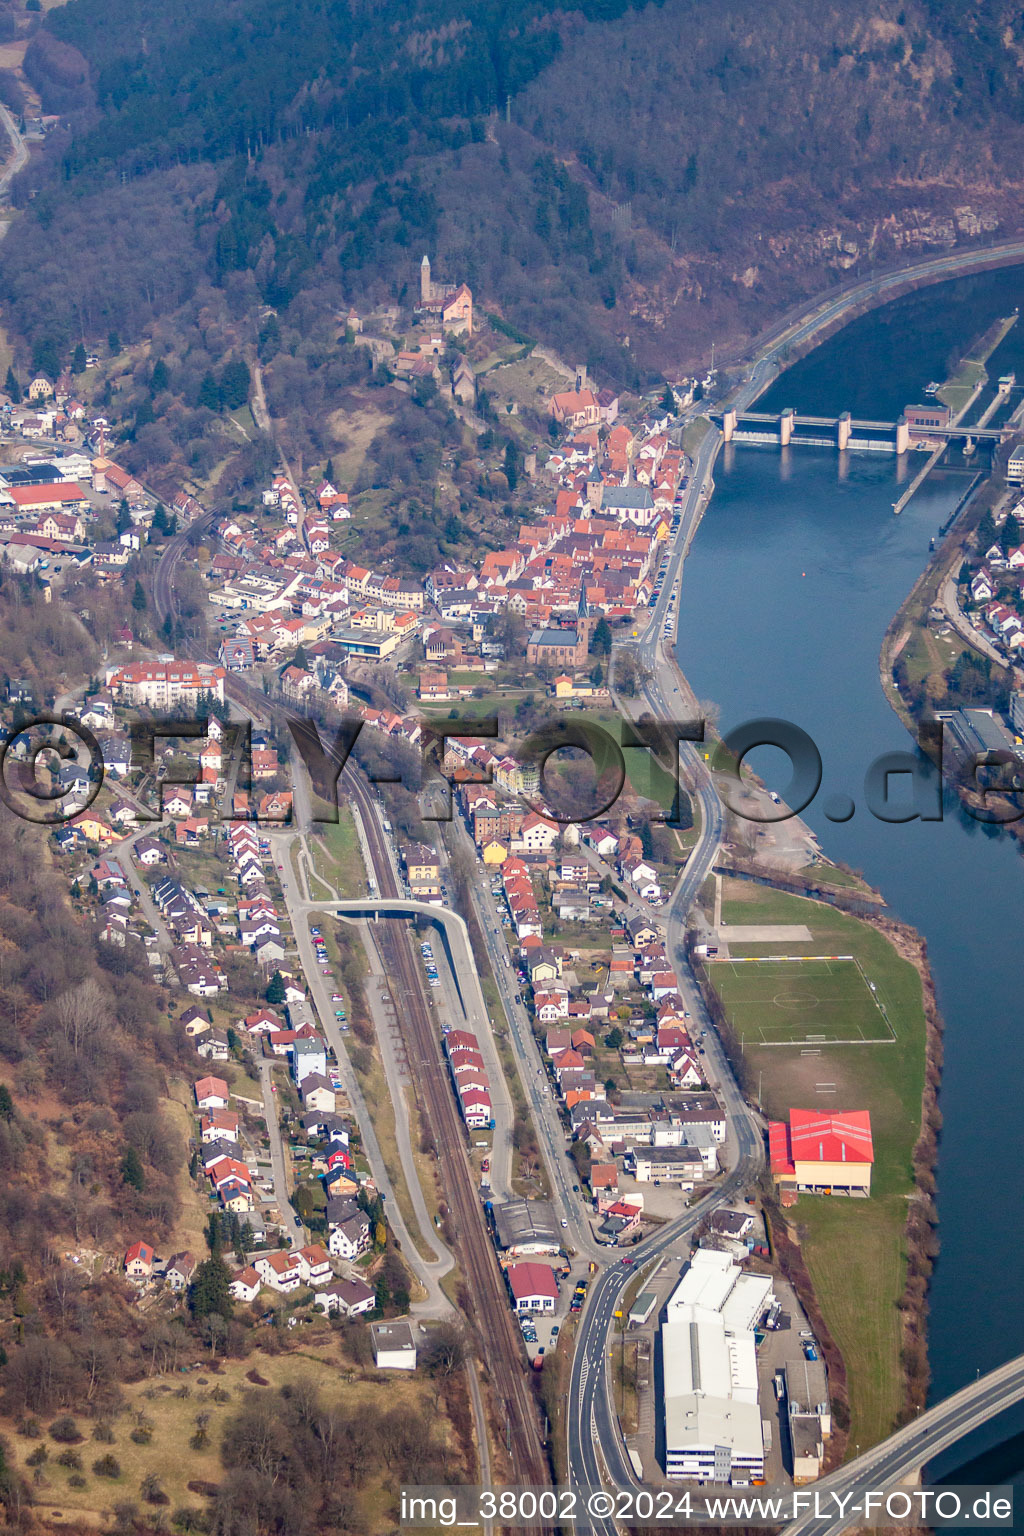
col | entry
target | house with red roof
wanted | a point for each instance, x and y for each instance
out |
(476, 1108)
(822, 1154)
(533, 1287)
(211, 1093)
(603, 1176)
(281, 1271)
(138, 1261)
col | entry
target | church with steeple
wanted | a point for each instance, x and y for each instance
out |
(447, 304)
(564, 646)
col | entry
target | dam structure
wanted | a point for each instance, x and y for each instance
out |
(787, 429)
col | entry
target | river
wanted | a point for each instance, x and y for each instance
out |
(795, 573)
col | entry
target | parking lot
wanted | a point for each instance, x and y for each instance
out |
(782, 1346)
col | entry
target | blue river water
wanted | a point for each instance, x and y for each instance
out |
(794, 576)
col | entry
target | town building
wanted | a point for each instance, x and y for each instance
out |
(165, 685)
(922, 419)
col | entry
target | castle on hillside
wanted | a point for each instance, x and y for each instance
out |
(448, 303)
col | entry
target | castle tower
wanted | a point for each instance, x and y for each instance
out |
(425, 294)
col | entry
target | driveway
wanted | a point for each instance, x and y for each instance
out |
(278, 1164)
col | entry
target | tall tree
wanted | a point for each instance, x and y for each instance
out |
(78, 360)
(234, 384)
(513, 460)
(601, 639)
(12, 387)
(1009, 534)
(132, 1171)
(209, 393)
(210, 1294)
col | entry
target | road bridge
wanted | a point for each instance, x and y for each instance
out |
(456, 934)
(902, 1456)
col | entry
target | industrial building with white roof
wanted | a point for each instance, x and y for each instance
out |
(713, 1431)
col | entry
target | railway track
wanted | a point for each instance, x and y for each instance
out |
(491, 1321)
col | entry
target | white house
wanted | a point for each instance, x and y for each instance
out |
(314, 1265)
(180, 1271)
(281, 1271)
(211, 1093)
(394, 1348)
(350, 1239)
(349, 1298)
(308, 1056)
(245, 1284)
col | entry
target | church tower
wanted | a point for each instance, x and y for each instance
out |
(586, 623)
(425, 293)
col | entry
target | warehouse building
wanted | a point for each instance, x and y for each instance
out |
(713, 1431)
(526, 1227)
(810, 1416)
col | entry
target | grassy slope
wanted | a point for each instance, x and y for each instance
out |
(174, 1417)
(854, 1249)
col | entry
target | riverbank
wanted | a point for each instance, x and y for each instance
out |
(863, 1266)
(924, 641)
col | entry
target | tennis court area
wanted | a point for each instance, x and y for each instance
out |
(820, 1000)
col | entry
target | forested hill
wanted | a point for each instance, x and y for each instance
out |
(666, 172)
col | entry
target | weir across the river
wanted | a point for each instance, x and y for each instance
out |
(788, 429)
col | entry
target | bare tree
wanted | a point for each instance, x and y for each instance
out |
(81, 1012)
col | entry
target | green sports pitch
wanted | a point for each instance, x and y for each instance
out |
(821, 1000)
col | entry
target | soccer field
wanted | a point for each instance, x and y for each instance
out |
(816, 1001)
